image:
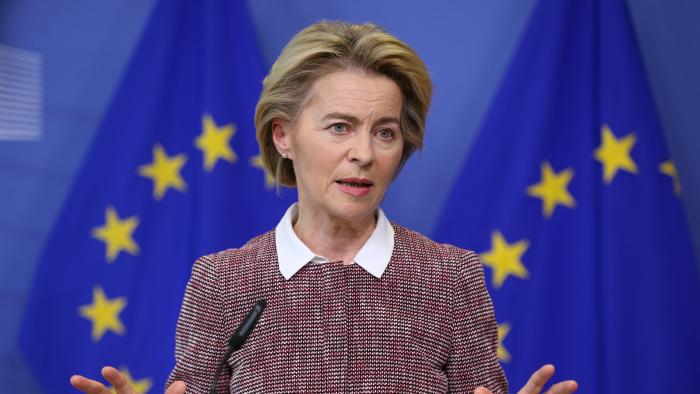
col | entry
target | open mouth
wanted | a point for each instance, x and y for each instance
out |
(354, 184)
(357, 183)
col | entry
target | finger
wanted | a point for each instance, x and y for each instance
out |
(88, 386)
(482, 390)
(538, 380)
(118, 380)
(565, 387)
(178, 387)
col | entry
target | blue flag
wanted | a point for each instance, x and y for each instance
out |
(173, 174)
(573, 202)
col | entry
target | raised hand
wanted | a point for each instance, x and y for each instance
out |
(537, 381)
(119, 383)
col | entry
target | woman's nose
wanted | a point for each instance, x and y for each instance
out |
(361, 151)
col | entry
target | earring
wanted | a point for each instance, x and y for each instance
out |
(284, 155)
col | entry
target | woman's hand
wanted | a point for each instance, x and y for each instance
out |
(537, 382)
(119, 383)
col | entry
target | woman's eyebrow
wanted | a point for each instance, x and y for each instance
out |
(387, 119)
(354, 120)
(340, 115)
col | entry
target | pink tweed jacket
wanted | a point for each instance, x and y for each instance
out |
(426, 326)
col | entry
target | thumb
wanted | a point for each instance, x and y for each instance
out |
(482, 390)
(118, 380)
(178, 387)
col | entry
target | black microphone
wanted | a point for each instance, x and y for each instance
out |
(239, 337)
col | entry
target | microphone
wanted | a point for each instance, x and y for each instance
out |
(239, 337)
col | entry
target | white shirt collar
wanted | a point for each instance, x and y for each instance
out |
(293, 254)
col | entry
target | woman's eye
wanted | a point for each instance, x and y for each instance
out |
(386, 134)
(339, 127)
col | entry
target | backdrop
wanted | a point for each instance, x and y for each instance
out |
(80, 48)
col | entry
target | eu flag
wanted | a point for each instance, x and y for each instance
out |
(173, 173)
(573, 202)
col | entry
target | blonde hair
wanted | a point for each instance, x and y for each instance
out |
(326, 47)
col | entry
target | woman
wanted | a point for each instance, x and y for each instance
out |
(355, 303)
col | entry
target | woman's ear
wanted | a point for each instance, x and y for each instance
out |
(282, 138)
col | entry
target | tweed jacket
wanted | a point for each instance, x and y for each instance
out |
(427, 325)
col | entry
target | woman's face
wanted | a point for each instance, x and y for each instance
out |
(346, 144)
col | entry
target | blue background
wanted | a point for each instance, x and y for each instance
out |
(467, 46)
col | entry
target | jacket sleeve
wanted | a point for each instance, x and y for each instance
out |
(200, 340)
(473, 360)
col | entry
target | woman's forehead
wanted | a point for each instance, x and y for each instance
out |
(355, 94)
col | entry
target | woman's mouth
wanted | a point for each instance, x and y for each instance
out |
(354, 186)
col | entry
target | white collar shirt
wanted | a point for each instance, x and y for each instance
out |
(293, 254)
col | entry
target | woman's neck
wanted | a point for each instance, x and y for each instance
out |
(334, 238)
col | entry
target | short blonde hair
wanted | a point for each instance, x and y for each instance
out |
(326, 47)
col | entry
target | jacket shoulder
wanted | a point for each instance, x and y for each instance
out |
(251, 256)
(415, 242)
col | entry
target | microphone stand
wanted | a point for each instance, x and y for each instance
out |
(239, 337)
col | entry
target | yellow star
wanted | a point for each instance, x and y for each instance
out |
(117, 234)
(504, 258)
(214, 142)
(614, 154)
(140, 386)
(552, 189)
(669, 168)
(103, 313)
(502, 352)
(269, 178)
(164, 172)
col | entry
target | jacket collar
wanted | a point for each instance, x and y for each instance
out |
(293, 254)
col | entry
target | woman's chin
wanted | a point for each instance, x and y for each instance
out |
(354, 211)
